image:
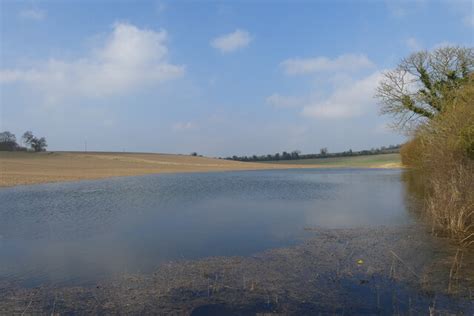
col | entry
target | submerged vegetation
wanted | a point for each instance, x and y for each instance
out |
(431, 95)
(382, 271)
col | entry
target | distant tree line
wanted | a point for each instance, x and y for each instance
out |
(8, 142)
(323, 153)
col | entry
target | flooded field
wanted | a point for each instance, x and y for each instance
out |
(283, 241)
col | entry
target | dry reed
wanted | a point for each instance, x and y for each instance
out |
(443, 151)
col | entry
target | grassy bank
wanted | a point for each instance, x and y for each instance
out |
(369, 161)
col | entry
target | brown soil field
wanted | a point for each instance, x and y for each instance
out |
(23, 168)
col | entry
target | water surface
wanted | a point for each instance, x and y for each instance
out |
(83, 232)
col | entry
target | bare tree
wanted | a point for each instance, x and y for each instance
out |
(28, 137)
(423, 82)
(37, 144)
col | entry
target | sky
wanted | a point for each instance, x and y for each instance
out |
(218, 78)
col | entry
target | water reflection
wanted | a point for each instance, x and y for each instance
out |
(79, 233)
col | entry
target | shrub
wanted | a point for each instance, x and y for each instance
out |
(410, 153)
(443, 150)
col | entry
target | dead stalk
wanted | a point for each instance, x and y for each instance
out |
(403, 262)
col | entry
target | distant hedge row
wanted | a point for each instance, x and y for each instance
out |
(296, 155)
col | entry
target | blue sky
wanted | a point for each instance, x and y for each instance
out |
(219, 78)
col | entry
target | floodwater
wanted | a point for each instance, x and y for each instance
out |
(302, 242)
(79, 233)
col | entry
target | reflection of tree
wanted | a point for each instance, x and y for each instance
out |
(415, 191)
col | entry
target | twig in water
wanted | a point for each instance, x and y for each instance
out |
(392, 269)
(27, 307)
(464, 241)
(408, 268)
(455, 267)
(432, 309)
(54, 306)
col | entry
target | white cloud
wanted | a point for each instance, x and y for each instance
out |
(108, 123)
(348, 62)
(397, 11)
(443, 44)
(183, 126)
(160, 7)
(383, 128)
(12, 75)
(346, 101)
(281, 101)
(413, 44)
(131, 58)
(400, 9)
(32, 14)
(231, 42)
(469, 20)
